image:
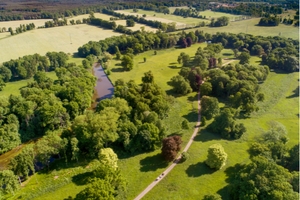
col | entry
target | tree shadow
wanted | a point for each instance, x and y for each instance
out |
(224, 193)
(227, 54)
(198, 169)
(152, 163)
(174, 67)
(192, 116)
(205, 136)
(82, 179)
(179, 133)
(75, 55)
(174, 63)
(296, 93)
(117, 69)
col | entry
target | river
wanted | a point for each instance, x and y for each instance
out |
(104, 88)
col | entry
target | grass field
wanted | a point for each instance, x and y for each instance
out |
(65, 38)
(16, 23)
(249, 26)
(121, 22)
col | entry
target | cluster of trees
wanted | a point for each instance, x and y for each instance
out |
(269, 154)
(155, 24)
(192, 72)
(276, 52)
(22, 28)
(257, 10)
(56, 22)
(139, 42)
(221, 21)
(45, 105)
(269, 21)
(27, 66)
(188, 13)
(132, 119)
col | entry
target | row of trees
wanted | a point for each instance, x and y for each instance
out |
(269, 21)
(22, 28)
(257, 10)
(27, 66)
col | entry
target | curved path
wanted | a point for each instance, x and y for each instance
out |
(179, 157)
(142, 194)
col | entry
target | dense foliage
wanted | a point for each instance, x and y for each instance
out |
(269, 21)
(216, 157)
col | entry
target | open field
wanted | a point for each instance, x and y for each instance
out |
(249, 26)
(180, 21)
(16, 23)
(121, 22)
(64, 38)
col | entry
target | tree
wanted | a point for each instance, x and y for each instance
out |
(185, 156)
(220, 61)
(2, 83)
(44, 151)
(130, 23)
(10, 181)
(189, 41)
(216, 157)
(171, 146)
(75, 149)
(235, 52)
(206, 88)
(203, 121)
(262, 179)
(97, 189)
(127, 62)
(5, 73)
(180, 85)
(185, 124)
(244, 58)
(225, 125)
(209, 106)
(108, 157)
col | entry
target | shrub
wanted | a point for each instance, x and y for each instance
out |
(185, 156)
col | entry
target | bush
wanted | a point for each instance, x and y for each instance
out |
(216, 157)
(145, 59)
(185, 124)
(185, 156)
(155, 52)
(203, 121)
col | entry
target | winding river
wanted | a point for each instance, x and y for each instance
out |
(104, 88)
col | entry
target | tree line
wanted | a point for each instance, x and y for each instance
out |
(22, 28)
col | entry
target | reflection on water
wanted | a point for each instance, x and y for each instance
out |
(104, 88)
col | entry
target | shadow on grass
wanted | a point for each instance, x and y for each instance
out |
(192, 116)
(174, 63)
(174, 67)
(227, 54)
(75, 55)
(82, 179)
(179, 133)
(118, 69)
(296, 93)
(152, 163)
(204, 136)
(198, 169)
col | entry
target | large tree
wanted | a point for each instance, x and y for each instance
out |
(10, 181)
(171, 146)
(216, 157)
(209, 107)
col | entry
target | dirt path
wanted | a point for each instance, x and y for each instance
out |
(229, 62)
(179, 157)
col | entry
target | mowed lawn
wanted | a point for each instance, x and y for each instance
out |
(64, 38)
(118, 22)
(193, 179)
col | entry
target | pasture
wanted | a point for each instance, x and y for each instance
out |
(250, 26)
(64, 38)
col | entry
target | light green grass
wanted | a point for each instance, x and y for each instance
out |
(16, 23)
(249, 26)
(65, 38)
